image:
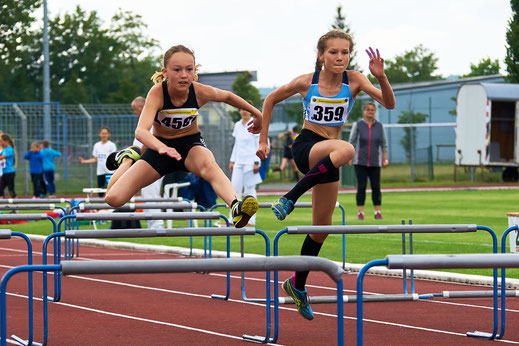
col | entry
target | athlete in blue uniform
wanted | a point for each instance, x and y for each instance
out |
(171, 107)
(328, 96)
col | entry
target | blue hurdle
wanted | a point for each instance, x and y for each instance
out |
(117, 216)
(7, 234)
(268, 205)
(441, 262)
(267, 264)
(367, 229)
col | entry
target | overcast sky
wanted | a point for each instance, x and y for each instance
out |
(277, 38)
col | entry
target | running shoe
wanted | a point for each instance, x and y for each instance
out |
(243, 210)
(114, 160)
(360, 216)
(282, 207)
(378, 216)
(300, 298)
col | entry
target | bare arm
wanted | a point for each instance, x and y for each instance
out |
(299, 85)
(206, 93)
(154, 101)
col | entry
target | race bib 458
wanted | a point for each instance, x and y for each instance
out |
(177, 118)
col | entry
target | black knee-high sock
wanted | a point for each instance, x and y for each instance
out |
(312, 178)
(310, 248)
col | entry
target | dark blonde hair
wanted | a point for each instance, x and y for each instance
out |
(321, 44)
(158, 77)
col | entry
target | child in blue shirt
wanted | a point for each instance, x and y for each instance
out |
(7, 160)
(48, 165)
(36, 168)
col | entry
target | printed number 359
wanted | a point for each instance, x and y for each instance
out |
(328, 113)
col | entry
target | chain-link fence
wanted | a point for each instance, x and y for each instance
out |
(75, 129)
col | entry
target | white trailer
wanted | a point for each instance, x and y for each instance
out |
(486, 127)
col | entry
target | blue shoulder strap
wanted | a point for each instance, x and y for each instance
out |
(345, 77)
(315, 78)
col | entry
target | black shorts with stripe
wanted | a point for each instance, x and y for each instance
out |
(164, 164)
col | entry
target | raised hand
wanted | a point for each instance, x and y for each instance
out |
(171, 152)
(376, 63)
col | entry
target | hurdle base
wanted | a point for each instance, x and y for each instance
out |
(257, 338)
(217, 296)
(24, 342)
(481, 335)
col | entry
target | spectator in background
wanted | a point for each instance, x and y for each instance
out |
(48, 166)
(370, 142)
(244, 164)
(8, 161)
(289, 136)
(36, 168)
(99, 154)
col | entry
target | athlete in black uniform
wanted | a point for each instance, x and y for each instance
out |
(176, 143)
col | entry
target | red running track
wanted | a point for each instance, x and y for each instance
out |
(176, 309)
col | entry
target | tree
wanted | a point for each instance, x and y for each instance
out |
(485, 67)
(340, 23)
(416, 65)
(408, 141)
(16, 52)
(512, 39)
(245, 90)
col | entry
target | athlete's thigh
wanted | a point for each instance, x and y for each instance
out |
(139, 175)
(197, 158)
(322, 149)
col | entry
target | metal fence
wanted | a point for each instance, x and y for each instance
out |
(75, 129)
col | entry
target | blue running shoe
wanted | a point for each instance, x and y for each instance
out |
(282, 207)
(300, 298)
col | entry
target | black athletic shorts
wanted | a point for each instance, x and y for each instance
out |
(301, 151)
(164, 164)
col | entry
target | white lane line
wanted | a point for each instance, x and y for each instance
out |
(141, 319)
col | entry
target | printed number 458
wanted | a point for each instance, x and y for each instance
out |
(177, 123)
(328, 113)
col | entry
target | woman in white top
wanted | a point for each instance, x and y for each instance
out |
(244, 164)
(101, 150)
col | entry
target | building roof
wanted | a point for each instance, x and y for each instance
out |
(501, 91)
(224, 80)
(441, 82)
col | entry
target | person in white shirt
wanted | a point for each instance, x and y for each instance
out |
(244, 164)
(101, 150)
(152, 190)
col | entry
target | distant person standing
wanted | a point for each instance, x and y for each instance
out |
(8, 161)
(36, 168)
(369, 139)
(244, 164)
(99, 154)
(48, 166)
(289, 136)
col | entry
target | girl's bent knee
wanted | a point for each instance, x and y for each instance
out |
(113, 200)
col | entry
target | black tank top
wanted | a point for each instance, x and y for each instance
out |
(177, 118)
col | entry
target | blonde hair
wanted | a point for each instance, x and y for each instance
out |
(158, 77)
(321, 44)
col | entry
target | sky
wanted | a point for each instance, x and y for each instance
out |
(278, 38)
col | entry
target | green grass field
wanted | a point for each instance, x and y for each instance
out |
(485, 208)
